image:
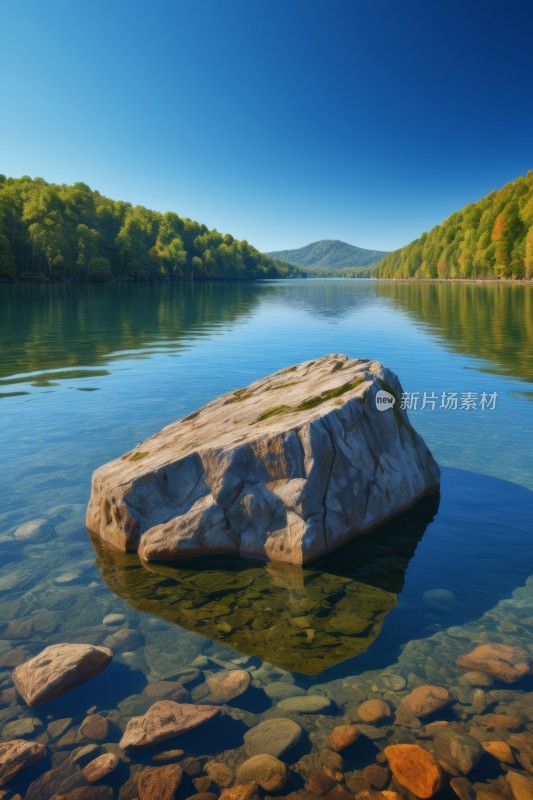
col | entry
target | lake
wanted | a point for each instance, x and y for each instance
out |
(89, 371)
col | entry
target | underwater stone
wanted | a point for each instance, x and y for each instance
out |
(16, 755)
(165, 720)
(506, 663)
(57, 669)
(285, 470)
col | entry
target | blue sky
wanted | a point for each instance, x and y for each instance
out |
(280, 121)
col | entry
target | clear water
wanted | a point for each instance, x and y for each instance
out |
(89, 371)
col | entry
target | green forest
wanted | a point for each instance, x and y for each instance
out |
(489, 239)
(72, 233)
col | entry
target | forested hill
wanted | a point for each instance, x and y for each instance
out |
(489, 239)
(329, 254)
(59, 232)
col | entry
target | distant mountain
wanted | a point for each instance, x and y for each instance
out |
(328, 254)
(492, 238)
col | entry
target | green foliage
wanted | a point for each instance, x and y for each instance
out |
(59, 232)
(344, 272)
(489, 239)
(329, 255)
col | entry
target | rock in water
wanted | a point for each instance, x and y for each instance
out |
(415, 769)
(506, 663)
(164, 720)
(16, 755)
(287, 469)
(57, 669)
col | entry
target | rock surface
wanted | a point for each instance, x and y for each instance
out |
(508, 664)
(286, 470)
(16, 755)
(164, 720)
(57, 669)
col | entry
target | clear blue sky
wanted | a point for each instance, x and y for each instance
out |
(279, 121)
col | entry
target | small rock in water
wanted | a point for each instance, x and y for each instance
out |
(415, 769)
(476, 678)
(508, 664)
(219, 773)
(457, 752)
(279, 690)
(306, 704)
(57, 669)
(16, 755)
(165, 720)
(521, 785)
(342, 737)
(68, 577)
(426, 700)
(393, 682)
(267, 771)
(94, 727)
(373, 711)
(21, 727)
(100, 767)
(500, 751)
(247, 791)
(160, 783)
(30, 530)
(439, 598)
(13, 581)
(225, 686)
(114, 619)
(274, 737)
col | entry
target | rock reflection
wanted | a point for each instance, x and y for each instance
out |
(301, 619)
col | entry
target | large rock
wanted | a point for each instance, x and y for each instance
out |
(16, 755)
(508, 664)
(57, 669)
(287, 469)
(164, 720)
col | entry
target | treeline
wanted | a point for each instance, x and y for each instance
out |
(342, 272)
(60, 232)
(489, 239)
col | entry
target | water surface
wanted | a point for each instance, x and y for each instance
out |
(88, 371)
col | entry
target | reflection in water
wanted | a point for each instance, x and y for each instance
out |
(490, 321)
(61, 327)
(302, 619)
